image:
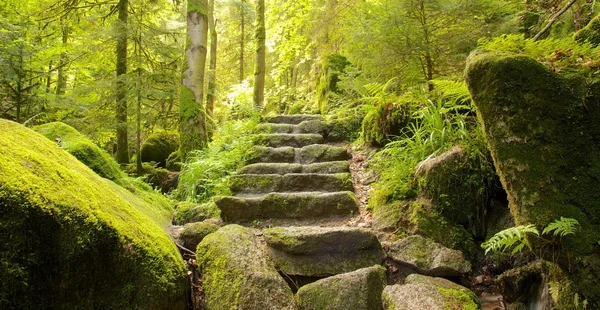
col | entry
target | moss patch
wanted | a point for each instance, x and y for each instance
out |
(71, 239)
(590, 33)
(82, 148)
(158, 147)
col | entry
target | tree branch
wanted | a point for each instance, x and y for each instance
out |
(553, 19)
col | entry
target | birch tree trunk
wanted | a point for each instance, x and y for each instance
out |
(212, 85)
(192, 114)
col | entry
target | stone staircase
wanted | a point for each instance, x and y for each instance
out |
(286, 245)
(293, 175)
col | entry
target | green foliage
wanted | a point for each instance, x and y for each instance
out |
(562, 227)
(505, 239)
(516, 236)
(205, 174)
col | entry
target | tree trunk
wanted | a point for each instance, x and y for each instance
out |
(242, 39)
(192, 114)
(259, 72)
(61, 83)
(122, 155)
(212, 85)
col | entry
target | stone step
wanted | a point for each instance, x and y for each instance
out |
(316, 127)
(310, 154)
(249, 184)
(303, 205)
(285, 168)
(293, 119)
(315, 251)
(289, 139)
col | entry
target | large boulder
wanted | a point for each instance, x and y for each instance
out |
(542, 130)
(422, 292)
(322, 251)
(158, 147)
(193, 233)
(356, 290)
(82, 148)
(236, 273)
(70, 239)
(428, 257)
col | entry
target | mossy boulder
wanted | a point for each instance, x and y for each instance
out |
(248, 184)
(73, 240)
(190, 212)
(542, 130)
(236, 273)
(289, 139)
(453, 185)
(159, 178)
(322, 251)
(590, 33)
(345, 129)
(82, 148)
(322, 153)
(193, 233)
(356, 290)
(158, 147)
(428, 257)
(422, 292)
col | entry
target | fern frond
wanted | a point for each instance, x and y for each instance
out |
(514, 236)
(564, 226)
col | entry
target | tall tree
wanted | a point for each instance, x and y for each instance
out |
(259, 72)
(212, 85)
(61, 83)
(242, 39)
(122, 155)
(192, 114)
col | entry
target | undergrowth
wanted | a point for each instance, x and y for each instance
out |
(206, 173)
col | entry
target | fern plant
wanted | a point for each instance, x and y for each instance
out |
(563, 227)
(514, 236)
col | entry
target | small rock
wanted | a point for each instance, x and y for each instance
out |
(428, 257)
(357, 290)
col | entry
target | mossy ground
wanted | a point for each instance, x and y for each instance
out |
(74, 240)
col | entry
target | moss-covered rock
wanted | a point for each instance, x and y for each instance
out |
(454, 187)
(304, 205)
(159, 178)
(236, 273)
(357, 290)
(190, 212)
(72, 240)
(422, 292)
(331, 68)
(322, 251)
(82, 148)
(289, 139)
(193, 233)
(428, 257)
(245, 184)
(293, 118)
(542, 132)
(174, 162)
(263, 154)
(590, 33)
(346, 129)
(158, 147)
(322, 153)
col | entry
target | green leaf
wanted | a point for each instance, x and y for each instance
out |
(514, 236)
(564, 226)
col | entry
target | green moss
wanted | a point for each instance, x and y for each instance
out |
(189, 212)
(158, 147)
(174, 162)
(590, 33)
(332, 67)
(83, 149)
(71, 239)
(194, 233)
(533, 121)
(459, 299)
(190, 133)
